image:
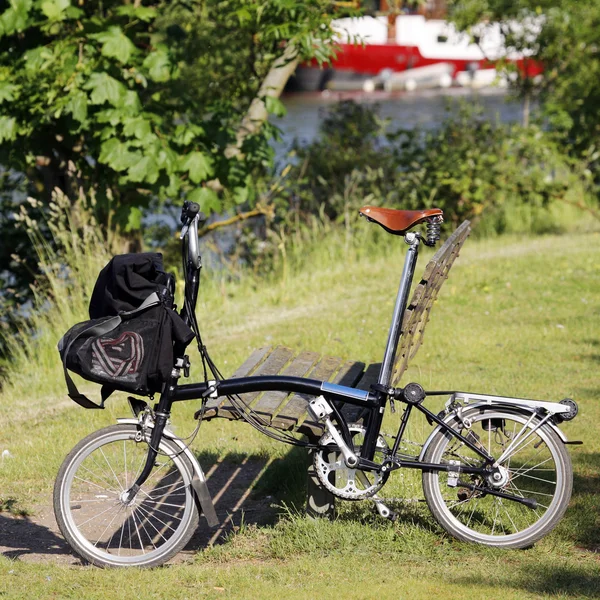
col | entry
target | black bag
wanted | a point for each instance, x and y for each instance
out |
(132, 339)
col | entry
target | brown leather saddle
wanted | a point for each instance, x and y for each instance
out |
(398, 222)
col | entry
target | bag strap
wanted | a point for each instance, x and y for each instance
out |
(99, 329)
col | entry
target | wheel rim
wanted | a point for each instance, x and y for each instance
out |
(534, 469)
(103, 524)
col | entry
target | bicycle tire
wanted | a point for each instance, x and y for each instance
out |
(99, 526)
(540, 468)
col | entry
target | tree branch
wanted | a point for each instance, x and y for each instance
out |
(267, 210)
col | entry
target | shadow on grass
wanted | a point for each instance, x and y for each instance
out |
(582, 520)
(22, 536)
(250, 490)
(557, 580)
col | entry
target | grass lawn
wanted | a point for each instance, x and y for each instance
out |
(516, 317)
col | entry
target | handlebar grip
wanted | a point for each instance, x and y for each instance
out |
(189, 212)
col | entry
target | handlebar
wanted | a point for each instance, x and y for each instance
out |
(189, 212)
(190, 217)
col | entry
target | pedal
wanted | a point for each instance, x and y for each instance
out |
(384, 511)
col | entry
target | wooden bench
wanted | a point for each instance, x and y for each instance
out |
(289, 411)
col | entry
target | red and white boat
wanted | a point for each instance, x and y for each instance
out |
(382, 46)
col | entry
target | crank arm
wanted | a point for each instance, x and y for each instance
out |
(528, 502)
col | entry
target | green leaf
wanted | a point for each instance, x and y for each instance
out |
(131, 101)
(207, 199)
(77, 106)
(7, 91)
(243, 14)
(117, 155)
(54, 9)
(198, 165)
(240, 195)
(143, 13)
(16, 17)
(185, 134)
(115, 44)
(145, 169)
(158, 65)
(167, 159)
(105, 89)
(8, 129)
(275, 106)
(137, 127)
(134, 219)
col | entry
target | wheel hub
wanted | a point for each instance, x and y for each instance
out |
(499, 477)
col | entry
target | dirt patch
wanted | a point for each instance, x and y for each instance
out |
(37, 538)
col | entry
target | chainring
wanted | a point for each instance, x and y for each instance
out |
(341, 480)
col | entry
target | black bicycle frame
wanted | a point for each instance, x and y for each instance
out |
(373, 401)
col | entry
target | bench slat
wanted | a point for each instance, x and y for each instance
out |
(269, 402)
(294, 412)
(256, 358)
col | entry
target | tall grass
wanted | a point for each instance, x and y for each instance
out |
(60, 298)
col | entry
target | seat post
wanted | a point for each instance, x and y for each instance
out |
(410, 261)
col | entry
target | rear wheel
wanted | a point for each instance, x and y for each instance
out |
(98, 522)
(535, 465)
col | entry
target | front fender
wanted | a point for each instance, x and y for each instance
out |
(198, 481)
(475, 407)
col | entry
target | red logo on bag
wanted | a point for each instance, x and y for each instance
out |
(120, 357)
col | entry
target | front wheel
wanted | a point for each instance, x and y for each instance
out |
(535, 465)
(94, 516)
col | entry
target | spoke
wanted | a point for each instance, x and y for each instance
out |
(164, 512)
(158, 503)
(105, 530)
(508, 515)
(153, 527)
(143, 526)
(537, 493)
(113, 507)
(458, 503)
(475, 505)
(516, 447)
(125, 463)
(111, 469)
(182, 486)
(530, 459)
(104, 475)
(521, 436)
(520, 471)
(96, 485)
(108, 486)
(536, 479)
(121, 538)
(497, 507)
(138, 533)
(148, 513)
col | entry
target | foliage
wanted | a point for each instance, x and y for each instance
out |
(142, 98)
(565, 40)
(470, 167)
(135, 104)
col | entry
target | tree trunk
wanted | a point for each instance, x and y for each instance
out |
(272, 85)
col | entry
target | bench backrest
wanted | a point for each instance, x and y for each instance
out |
(418, 310)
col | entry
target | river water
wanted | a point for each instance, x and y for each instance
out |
(426, 109)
